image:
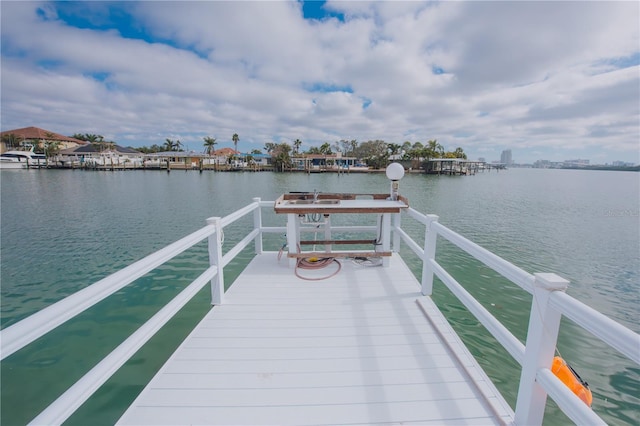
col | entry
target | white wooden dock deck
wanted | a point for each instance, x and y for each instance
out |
(357, 348)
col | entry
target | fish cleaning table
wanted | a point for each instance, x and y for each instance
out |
(298, 205)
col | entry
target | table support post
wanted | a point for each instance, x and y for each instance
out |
(293, 236)
(384, 242)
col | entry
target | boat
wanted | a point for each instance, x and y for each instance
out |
(317, 334)
(22, 160)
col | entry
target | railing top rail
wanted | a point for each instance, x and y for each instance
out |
(601, 326)
(420, 217)
(604, 328)
(495, 262)
(17, 336)
(22, 333)
(616, 335)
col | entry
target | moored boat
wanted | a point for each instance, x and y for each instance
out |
(22, 160)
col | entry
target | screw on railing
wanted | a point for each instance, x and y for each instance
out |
(257, 224)
(215, 258)
(542, 336)
(430, 237)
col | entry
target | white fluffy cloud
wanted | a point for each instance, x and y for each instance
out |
(552, 80)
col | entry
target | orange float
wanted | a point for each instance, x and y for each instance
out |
(572, 380)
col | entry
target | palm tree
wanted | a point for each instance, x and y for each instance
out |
(296, 146)
(51, 148)
(269, 147)
(235, 140)
(209, 145)
(459, 153)
(178, 145)
(394, 148)
(97, 140)
(281, 158)
(169, 145)
(416, 150)
(11, 140)
(353, 146)
(325, 149)
(436, 150)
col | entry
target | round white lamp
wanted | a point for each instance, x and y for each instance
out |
(395, 172)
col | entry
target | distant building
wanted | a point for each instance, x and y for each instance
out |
(223, 155)
(622, 164)
(546, 164)
(95, 154)
(36, 137)
(482, 160)
(505, 157)
(576, 163)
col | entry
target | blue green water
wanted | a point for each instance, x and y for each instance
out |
(63, 230)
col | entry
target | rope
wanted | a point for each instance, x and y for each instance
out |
(312, 263)
(316, 263)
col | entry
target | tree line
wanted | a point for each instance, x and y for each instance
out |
(374, 153)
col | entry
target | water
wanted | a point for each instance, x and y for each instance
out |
(63, 230)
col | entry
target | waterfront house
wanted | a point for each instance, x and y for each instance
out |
(221, 156)
(194, 160)
(177, 159)
(323, 162)
(452, 166)
(98, 156)
(36, 137)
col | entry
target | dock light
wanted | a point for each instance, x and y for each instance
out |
(395, 172)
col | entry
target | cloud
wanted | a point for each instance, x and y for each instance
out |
(539, 77)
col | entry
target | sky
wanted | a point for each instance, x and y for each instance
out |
(549, 80)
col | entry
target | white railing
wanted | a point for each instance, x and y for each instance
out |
(18, 335)
(550, 303)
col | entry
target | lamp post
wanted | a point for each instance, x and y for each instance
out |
(395, 172)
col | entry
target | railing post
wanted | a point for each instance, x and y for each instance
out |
(430, 237)
(397, 222)
(257, 224)
(215, 258)
(542, 336)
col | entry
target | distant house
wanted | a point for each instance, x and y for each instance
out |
(323, 162)
(222, 155)
(189, 159)
(99, 154)
(36, 137)
(259, 159)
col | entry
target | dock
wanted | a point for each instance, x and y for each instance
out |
(358, 341)
(362, 347)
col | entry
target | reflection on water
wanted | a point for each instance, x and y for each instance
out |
(63, 230)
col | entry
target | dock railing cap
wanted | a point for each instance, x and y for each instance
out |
(550, 281)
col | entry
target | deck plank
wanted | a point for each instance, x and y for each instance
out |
(353, 349)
